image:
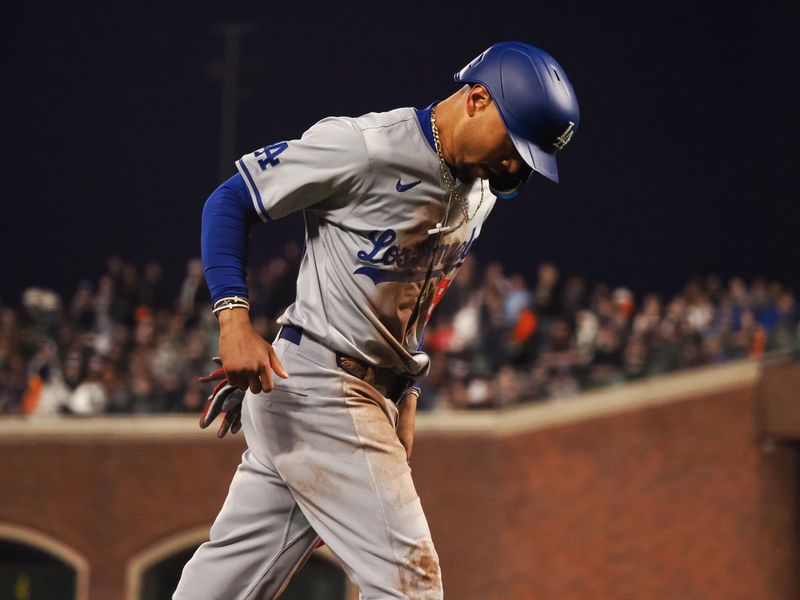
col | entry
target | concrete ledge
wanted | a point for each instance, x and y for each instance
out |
(124, 428)
(599, 403)
(588, 405)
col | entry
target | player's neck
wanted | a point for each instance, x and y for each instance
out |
(446, 118)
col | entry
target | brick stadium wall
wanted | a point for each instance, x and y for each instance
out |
(109, 499)
(672, 502)
(658, 490)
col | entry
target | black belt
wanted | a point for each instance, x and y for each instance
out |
(392, 384)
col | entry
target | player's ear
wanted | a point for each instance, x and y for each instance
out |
(478, 98)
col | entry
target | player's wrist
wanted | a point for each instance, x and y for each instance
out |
(233, 317)
(411, 397)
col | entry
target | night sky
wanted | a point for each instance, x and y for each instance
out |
(686, 159)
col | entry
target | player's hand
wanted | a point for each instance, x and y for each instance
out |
(224, 399)
(249, 359)
(406, 421)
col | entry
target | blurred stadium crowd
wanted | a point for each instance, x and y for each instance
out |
(118, 345)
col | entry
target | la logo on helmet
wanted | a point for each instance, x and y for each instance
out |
(565, 137)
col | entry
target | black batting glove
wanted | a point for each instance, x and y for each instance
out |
(224, 399)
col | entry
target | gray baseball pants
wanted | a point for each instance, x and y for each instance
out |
(323, 461)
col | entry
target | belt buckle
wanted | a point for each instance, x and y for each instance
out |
(354, 367)
(396, 384)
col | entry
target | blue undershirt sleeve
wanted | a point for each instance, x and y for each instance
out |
(227, 215)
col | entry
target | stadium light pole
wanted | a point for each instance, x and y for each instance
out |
(232, 36)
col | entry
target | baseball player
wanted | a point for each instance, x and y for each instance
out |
(393, 202)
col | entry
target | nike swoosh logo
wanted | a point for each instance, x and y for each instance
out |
(403, 187)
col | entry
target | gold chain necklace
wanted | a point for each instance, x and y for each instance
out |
(448, 177)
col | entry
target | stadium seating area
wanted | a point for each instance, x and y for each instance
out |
(120, 345)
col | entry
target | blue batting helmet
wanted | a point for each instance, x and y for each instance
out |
(534, 97)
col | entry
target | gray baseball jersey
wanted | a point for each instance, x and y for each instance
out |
(323, 457)
(371, 189)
